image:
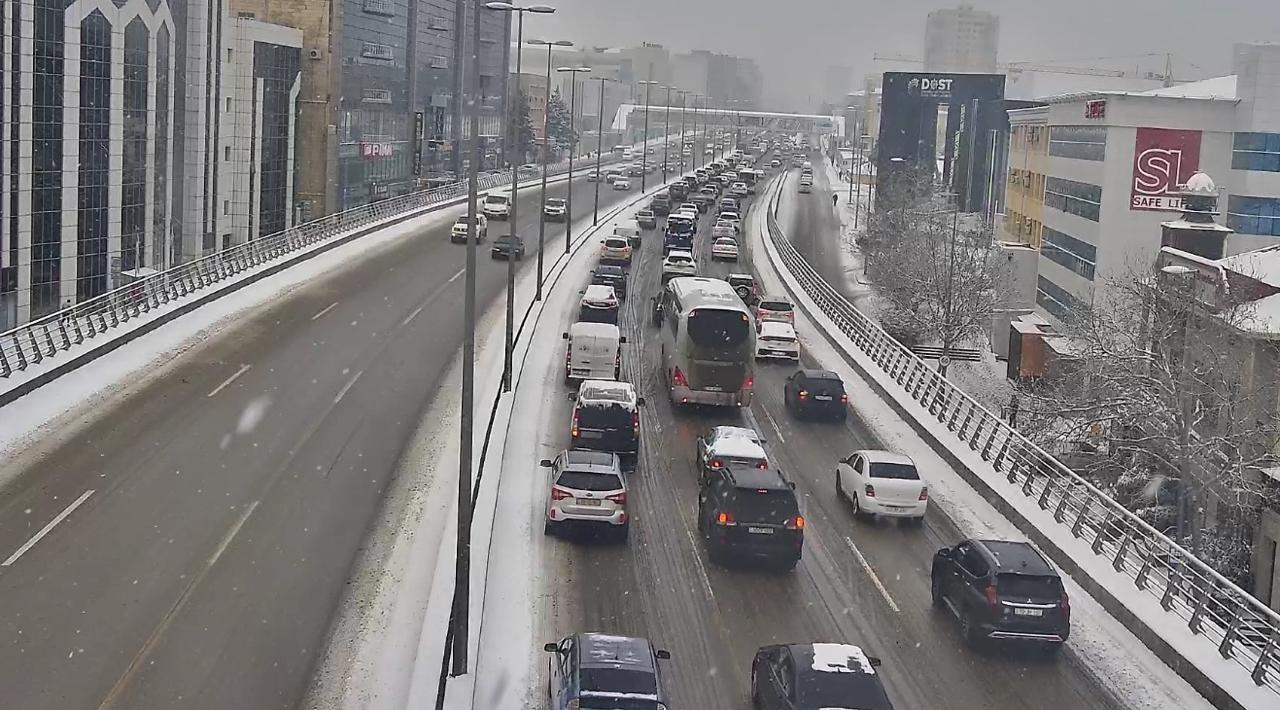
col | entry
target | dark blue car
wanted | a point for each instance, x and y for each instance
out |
(594, 671)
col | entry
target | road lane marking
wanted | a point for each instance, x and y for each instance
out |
(343, 392)
(117, 691)
(781, 439)
(326, 310)
(875, 579)
(431, 297)
(706, 581)
(47, 528)
(243, 369)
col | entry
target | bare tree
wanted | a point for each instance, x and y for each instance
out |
(937, 271)
(1157, 387)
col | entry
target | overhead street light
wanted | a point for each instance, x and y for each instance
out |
(595, 215)
(546, 153)
(644, 153)
(573, 112)
(512, 140)
(666, 134)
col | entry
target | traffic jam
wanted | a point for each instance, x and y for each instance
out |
(697, 342)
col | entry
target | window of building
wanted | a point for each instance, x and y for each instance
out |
(379, 7)
(226, 153)
(228, 104)
(439, 62)
(1079, 142)
(371, 50)
(1057, 301)
(1067, 251)
(226, 207)
(1078, 198)
(377, 96)
(1254, 215)
(437, 23)
(1256, 151)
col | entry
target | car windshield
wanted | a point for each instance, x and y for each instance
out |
(555, 202)
(900, 471)
(589, 481)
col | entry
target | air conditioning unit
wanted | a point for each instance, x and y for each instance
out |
(315, 54)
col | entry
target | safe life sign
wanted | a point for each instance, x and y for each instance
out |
(1163, 159)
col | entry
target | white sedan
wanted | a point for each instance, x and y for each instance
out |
(679, 263)
(882, 483)
(622, 184)
(777, 340)
(724, 248)
(723, 228)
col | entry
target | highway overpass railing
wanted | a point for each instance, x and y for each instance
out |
(1230, 622)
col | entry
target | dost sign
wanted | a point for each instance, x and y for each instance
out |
(930, 87)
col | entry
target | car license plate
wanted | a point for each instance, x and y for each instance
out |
(823, 398)
(592, 502)
(1019, 611)
(760, 531)
(587, 434)
(714, 388)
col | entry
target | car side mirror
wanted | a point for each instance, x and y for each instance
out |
(564, 335)
(875, 662)
(640, 401)
(662, 654)
(791, 485)
(573, 396)
(945, 553)
(551, 647)
(545, 463)
(622, 339)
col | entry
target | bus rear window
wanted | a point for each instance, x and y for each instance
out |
(715, 328)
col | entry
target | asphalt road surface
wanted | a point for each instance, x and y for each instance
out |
(863, 583)
(215, 514)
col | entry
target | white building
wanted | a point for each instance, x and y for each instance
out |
(961, 39)
(1115, 160)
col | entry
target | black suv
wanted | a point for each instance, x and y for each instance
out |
(1001, 590)
(820, 392)
(750, 512)
(593, 670)
(609, 275)
(813, 676)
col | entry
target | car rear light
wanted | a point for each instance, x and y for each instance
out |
(993, 600)
(804, 394)
(748, 382)
(560, 493)
(635, 422)
(795, 523)
(678, 378)
(762, 464)
(619, 498)
(574, 430)
(1064, 604)
(715, 463)
(725, 518)
(924, 493)
(869, 491)
(844, 399)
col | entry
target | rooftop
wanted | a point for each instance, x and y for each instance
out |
(1261, 264)
(1222, 88)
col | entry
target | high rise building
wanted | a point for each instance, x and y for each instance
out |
(135, 136)
(836, 83)
(723, 76)
(961, 39)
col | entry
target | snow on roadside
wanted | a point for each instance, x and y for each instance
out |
(1110, 652)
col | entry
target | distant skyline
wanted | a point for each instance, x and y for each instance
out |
(794, 42)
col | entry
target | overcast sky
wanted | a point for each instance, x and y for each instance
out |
(794, 40)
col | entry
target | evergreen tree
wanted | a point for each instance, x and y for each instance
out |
(524, 138)
(560, 123)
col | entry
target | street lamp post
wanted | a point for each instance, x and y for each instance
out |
(666, 135)
(573, 112)
(546, 152)
(644, 151)
(595, 218)
(682, 93)
(694, 131)
(514, 140)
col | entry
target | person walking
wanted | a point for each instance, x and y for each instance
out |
(835, 197)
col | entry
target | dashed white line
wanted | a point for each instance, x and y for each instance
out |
(47, 528)
(781, 439)
(343, 392)
(243, 369)
(431, 297)
(702, 571)
(875, 579)
(326, 310)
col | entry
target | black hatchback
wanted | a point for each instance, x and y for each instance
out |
(751, 513)
(609, 275)
(817, 393)
(813, 676)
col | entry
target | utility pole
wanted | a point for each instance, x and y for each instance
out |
(595, 219)
(644, 151)
(546, 154)
(573, 148)
(666, 136)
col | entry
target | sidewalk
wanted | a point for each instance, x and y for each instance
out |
(985, 381)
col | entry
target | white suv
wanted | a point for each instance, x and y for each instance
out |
(586, 488)
(777, 340)
(679, 263)
(615, 250)
(458, 234)
(496, 205)
(882, 483)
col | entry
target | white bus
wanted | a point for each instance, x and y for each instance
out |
(708, 342)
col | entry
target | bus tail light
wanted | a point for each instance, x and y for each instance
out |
(677, 378)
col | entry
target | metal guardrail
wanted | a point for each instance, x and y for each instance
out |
(46, 337)
(1243, 629)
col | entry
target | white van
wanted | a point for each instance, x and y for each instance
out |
(628, 229)
(593, 352)
(496, 205)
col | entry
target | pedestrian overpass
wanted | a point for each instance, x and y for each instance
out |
(631, 118)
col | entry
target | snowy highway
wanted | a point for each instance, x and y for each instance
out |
(188, 544)
(863, 583)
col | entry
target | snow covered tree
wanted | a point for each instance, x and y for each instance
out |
(1158, 389)
(524, 135)
(560, 123)
(937, 270)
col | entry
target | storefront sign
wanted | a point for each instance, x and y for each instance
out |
(419, 123)
(1095, 109)
(375, 150)
(1163, 159)
(930, 87)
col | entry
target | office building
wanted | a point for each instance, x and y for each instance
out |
(1023, 220)
(1116, 161)
(725, 77)
(145, 132)
(961, 39)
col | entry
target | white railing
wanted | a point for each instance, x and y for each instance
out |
(50, 336)
(1192, 593)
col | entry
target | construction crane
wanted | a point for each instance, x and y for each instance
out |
(1015, 68)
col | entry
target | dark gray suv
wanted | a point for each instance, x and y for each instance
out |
(595, 671)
